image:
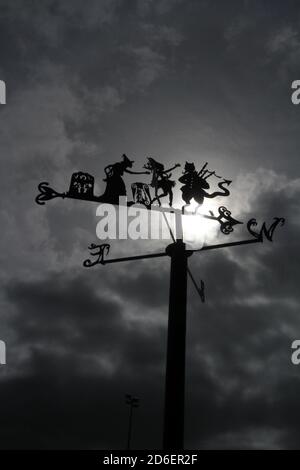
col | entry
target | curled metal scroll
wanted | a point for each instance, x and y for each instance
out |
(47, 193)
(264, 231)
(226, 221)
(101, 251)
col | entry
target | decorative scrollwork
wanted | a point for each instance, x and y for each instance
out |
(264, 231)
(226, 221)
(102, 250)
(46, 193)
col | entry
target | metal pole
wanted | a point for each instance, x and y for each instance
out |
(133, 402)
(129, 427)
(173, 437)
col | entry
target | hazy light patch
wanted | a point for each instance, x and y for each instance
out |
(288, 329)
(249, 263)
(214, 367)
(254, 366)
(197, 230)
(254, 438)
(253, 301)
(104, 363)
(144, 318)
(263, 301)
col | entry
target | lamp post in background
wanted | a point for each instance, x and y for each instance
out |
(132, 402)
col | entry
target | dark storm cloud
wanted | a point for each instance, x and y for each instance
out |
(80, 354)
(55, 407)
(147, 288)
(180, 80)
(68, 315)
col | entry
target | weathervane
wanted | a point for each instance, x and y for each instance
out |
(195, 187)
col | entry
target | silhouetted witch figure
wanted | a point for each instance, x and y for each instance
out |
(115, 186)
(161, 179)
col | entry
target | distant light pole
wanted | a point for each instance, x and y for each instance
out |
(133, 402)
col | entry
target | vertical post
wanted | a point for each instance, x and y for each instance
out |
(129, 427)
(133, 402)
(173, 437)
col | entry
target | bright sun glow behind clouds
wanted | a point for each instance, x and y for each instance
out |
(197, 230)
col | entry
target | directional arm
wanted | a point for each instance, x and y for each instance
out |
(226, 245)
(100, 251)
(259, 237)
(103, 249)
(134, 258)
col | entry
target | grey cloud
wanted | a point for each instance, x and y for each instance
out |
(58, 311)
(284, 40)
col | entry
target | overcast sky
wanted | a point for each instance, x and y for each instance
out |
(180, 80)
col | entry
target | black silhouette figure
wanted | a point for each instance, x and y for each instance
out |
(161, 180)
(195, 184)
(115, 186)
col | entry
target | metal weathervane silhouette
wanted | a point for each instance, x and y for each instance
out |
(195, 186)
